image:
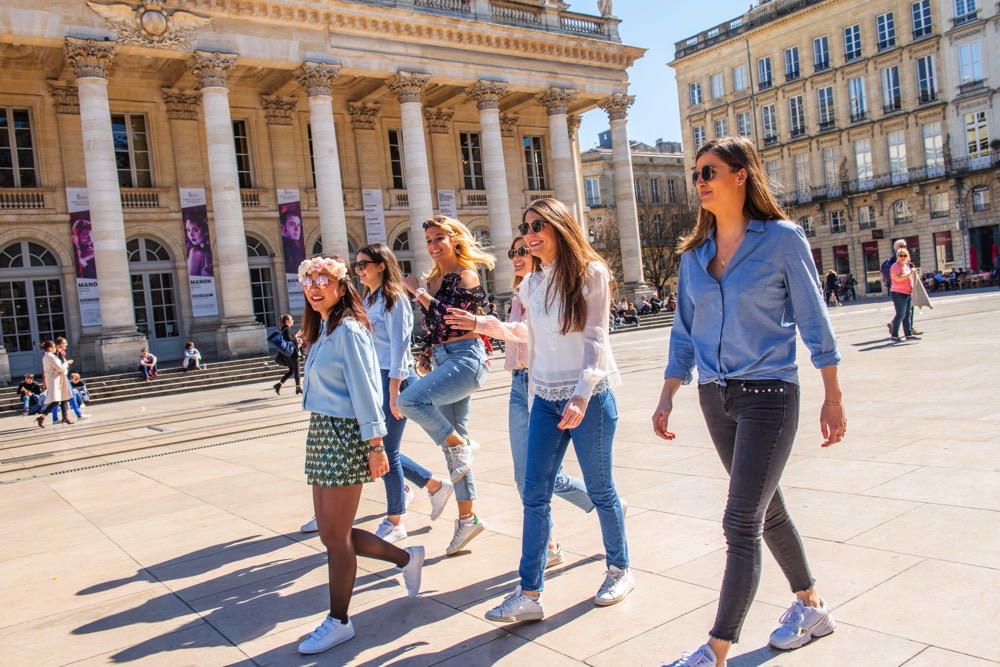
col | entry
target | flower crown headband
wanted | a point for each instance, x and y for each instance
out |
(327, 265)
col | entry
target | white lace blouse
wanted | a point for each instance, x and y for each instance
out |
(576, 364)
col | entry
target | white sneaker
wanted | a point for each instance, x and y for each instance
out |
(412, 570)
(800, 623)
(617, 584)
(703, 657)
(85, 415)
(329, 633)
(465, 530)
(624, 504)
(460, 459)
(408, 497)
(517, 607)
(390, 532)
(553, 557)
(439, 500)
(309, 526)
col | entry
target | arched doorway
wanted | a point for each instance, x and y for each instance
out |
(352, 247)
(154, 297)
(31, 303)
(486, 276)
(404, 254)
(262, 282)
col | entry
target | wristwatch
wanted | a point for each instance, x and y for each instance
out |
(377, 449)
(419, 293)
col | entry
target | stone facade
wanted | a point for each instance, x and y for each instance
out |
(874, 121)
(345, 102)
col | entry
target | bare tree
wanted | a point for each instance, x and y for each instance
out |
(605, 239)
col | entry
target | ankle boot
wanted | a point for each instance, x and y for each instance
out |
(65, 420)
(277, 388)
(41, 421)
(298, 389)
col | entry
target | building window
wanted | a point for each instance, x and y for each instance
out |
(671, 191)
(943, 251)
(965, 11)
(770, 122)
(764, 73)
(801, 163)
(925, 79)
(792, 63)
(817, 254)
(863, 164)
(796, 116)
(866, 217)
(841, 259)
(17, 149)
(977, 134)
(980, 198)
(933, 149)
(885, 27)
(807, 226)
(241, 139)
(718, 87)
(773, 170)
(401, 248)
(901, 214)
(837, 224)
(821, 53)
(830, 173)
(721, 128)
(739, 78)
(939, 205)
(637, 184)
(852, 43)
(897, 157)
(132, 150)
(472, 161)
(743, 124)
(921, 12)
(654, 190)
(699, 137)
(824, 97)
(891, 100)
(694, 90)
(396, 159)
(970, 64)
(593, 189)
(856, 91)
(534, 162)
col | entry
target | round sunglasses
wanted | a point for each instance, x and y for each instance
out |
(706, 173)
(319, 282)
(534, 226)
(519, 252)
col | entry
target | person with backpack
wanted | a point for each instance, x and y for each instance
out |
(288, 353)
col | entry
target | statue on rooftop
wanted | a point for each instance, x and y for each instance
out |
(605, 7)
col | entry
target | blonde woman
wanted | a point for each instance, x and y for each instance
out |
(440, 401)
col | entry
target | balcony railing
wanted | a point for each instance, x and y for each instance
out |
(473, 199)
(902, 219)
(21, 199)
(140, 198)
(965, 18)
(851, 56)
(821, 66)
(761, 14)
(399, 199)
(894, 105)
(792, 74)
(249, 199)
(941, 213)
(765, 84)
(450, 6)
(858, 116)
(928, 96)
(886, 45)
(867, 224)
(827, 124)
(798, 131)
(771, 140)
(923, 32)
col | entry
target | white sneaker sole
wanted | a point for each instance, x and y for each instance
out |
(392, 537)
(527, 616)
(480, 527)
(325, 648)
(608, 603)
(814, 633)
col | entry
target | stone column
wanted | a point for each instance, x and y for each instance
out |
(317, 79)
(239, 333)
(616, 107)
(513, 152)
(408, 87)
(573, 123)
(116, 347)
(486, 95)
(555, 101)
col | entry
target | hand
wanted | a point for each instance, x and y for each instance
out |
(393, 408)
(460, 319)
(573, 413)
(378, 464)
(411, 283)
(661, 418)
(832, 423)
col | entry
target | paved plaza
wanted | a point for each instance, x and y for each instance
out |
(165, 531)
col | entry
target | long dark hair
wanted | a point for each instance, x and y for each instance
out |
(392, 288)
(572, 259)
(349, 306)
(760, 204)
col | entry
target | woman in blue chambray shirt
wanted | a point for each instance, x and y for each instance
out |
(343, 391)
(747, 281)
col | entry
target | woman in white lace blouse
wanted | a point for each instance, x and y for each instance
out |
(572, 371)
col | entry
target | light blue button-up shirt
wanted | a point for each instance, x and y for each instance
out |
(743, 327)
(342, 378)
(391, 331)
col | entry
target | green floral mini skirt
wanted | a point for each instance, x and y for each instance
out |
(335, 453)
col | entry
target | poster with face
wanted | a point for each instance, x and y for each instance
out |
(293, 245)
(198, 253)
(81, 233)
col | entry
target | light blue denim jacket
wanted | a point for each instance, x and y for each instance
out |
(342, 378)
(391, 331)
(743, 327)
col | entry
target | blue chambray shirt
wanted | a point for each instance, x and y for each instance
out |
(391, 332)
(342, 378)
(743, 327)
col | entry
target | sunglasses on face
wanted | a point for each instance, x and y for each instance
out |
(707, 173)
(320, 282)
(362, 264)
(433, 222)
(519, 252)
(534, 226)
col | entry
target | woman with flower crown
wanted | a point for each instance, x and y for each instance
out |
(343, 392)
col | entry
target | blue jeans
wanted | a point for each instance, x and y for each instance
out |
(592, 441)
(904, 313)
(72, 404)
(440, 401)
(753, 425)
(568, 488)
(399, 464)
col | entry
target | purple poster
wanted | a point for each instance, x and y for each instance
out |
(78, 205)
(198, 253)
(293, 246)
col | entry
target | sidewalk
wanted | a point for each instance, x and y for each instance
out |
(165, 531)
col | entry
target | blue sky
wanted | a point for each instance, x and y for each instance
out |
(655, 25)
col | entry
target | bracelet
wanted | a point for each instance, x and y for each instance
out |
(833, 404)
(377, 449)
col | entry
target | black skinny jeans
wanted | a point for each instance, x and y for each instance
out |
(753, 424)
(292, 364)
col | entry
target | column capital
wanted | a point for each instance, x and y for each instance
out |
(363, 115)
(487, 94)
(65, 97)
(573, 122)
(439, 120)
(213, 69)
(89, 57)
(617, 105)
(508, 125)
(278, 110)
(555, 100)
(180, 106)
(408, 86)
(317, 78)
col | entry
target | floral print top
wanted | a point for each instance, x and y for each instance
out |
(450, 295)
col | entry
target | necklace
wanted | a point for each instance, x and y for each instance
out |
(732, 249)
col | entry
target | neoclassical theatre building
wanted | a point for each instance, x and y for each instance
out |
(164, 166)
